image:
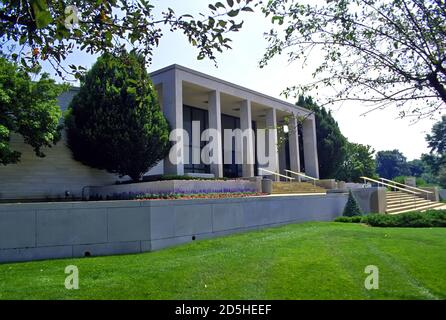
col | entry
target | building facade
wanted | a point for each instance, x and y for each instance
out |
(186, 96)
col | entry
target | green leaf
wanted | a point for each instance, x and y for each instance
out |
(220, 5)
(108, 36)
(41, 13)
(277, 18)
(131, 90)
(23, 39)
(233, 13)
(230, 3)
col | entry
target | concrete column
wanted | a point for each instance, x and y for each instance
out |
(272, 141)
(293, 139)
(248, 139)
(310, 147)
(215, 123)
(172, 105)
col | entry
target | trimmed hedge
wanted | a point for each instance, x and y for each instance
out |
(428, 219)
(354, 219)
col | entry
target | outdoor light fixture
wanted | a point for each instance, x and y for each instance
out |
(286, 129)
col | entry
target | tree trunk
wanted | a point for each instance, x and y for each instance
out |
(437, 85)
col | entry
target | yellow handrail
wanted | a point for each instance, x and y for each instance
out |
(405, 185)
(388, 185)
(277, 174)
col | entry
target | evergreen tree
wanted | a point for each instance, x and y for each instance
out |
(115, 122)
(351, 208)
(331, 144)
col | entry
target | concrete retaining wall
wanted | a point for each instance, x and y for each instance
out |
(370, 200)
(442, 194)
(433, 196)
(63, 230)
(327, 184)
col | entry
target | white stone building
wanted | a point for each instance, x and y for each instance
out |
(185, 96)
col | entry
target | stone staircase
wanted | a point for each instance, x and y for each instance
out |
(295, 188)
(400, 202)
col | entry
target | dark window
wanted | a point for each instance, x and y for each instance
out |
(232, 170)
(194, 114)
(228, 122)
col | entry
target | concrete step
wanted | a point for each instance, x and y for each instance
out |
(400, 196)
(406, 203)
(398, 193)
(295, 187)
(405, 199)
(432, 205)
(400, 202)
(413, 206)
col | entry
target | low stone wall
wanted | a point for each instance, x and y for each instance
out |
(370, 200)
(354, 185)
(328, 184)
(433, 196)
(36, 231)
(174, 186)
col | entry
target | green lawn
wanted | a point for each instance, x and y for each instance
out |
(303, 261)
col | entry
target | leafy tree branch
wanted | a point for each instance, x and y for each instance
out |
(374, 51)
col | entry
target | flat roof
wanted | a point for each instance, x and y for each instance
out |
(212, 78)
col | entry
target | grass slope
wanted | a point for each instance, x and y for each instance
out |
(302, 261)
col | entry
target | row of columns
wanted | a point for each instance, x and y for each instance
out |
(172, 105)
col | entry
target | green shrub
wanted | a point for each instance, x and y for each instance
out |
(421, 182)
(354, 219)
(402, 179)
(351, 208)
(428, 219)
(115, 121)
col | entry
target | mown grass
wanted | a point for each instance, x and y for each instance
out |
(301, 261)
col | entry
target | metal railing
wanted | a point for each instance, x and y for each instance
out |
(388, 185)
(277, 174)
(303, 175)
(414, 194)
(406, 186)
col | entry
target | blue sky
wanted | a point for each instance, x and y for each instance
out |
(382, 129)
